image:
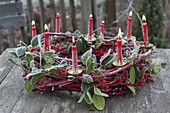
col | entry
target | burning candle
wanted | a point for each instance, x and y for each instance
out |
(74, 55)
(58, 23)
(145, 30)
(102, 27)
(46, 38)
(119, 47)
(34, 33)
(129, 25)
(90, 27)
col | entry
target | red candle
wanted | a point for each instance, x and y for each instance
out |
(129, 25)
(116, 47)
(46, 38)
(119, 47)
(90, 28)
(58, 23)
(145, 30)
(102, 27)
(74, 55)
(34, 33)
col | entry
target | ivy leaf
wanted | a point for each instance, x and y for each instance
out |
(132, 88)
(156, 70)
(132, 74)
(79, 45)
(97, 91)
(86, 55)
(28, 85)
(99, 102)
(34, 42)
(81, 98)
(20, 51)
(29, 58)
(87, 78)
(88, 98)
(85, 87)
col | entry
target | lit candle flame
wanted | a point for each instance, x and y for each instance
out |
(46, 27)
(33, 23)
(144, 18)
(103, 22)
(73, 40)
(58, 14)
(119, 33)
(130, 13)
(91, 16)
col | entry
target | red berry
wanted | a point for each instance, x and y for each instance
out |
(43, 86)
(49, 80)
(25, 78)
(29, 77)
(143, 82)
(104, 81)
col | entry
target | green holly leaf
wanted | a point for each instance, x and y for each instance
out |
(97, 45)
(89, 65)
(84, 45)
(70, 49)
(23, 44)
(144, 69)
(105, 56)
(81, 98)
(29, 58)
(87, 78)
(110, 59)
(99, 102)
(36, 76)
(34, 42)
(132, 74)
(88, 98)
(79, 45)
(132, 88)
(85, 87)
(14, 62)
(28, 86)
(14, 54)
(78, 33)
(137, 73)
(86, 55)
(20, 51)
(97, 91)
